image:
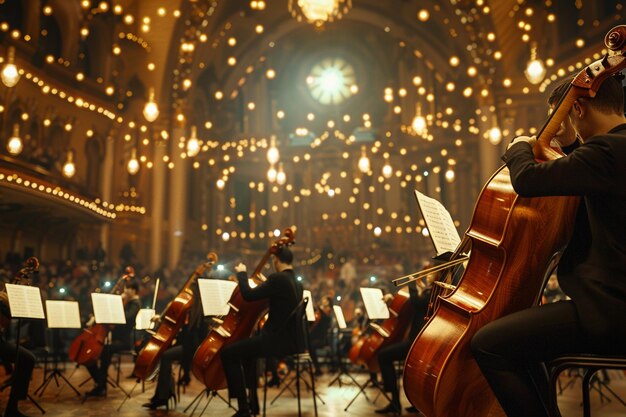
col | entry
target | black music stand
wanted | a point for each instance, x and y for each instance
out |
(55, 373)
(210, 394)
(24, 302)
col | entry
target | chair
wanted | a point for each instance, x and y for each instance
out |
(590, 364)
(302, 362)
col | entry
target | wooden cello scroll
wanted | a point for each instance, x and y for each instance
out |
(172, 319)
(515, 241)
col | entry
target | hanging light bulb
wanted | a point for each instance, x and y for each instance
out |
(387, 169)
(450, 175)
(14, 145)
(535, 70)
(10, 75)
(495, 135)
(151, 110)
(69, 169)
(193, 144)
(272, 174)
(133, 164)
(364, 161)
(272, 153)
(419, 122)
(281, 177)
(220, 183)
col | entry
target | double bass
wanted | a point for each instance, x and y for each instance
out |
(441, 377)
(172, 319)
(238, 324)
(87, 347)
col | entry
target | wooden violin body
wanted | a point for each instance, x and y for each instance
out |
(390, 331)
(147, 362)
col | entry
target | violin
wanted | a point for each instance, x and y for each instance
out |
(238, 324)
(441, 377)
(172, 319)
(87, 347)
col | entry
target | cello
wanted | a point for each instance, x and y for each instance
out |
(87, 347)
(172, 319)
(238, 324)
(390, 331)
(441, 377)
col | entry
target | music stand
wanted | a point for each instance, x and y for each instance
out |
(215, 295)
(108, 309)
(343, 370)
(24, 302)
(60, 315)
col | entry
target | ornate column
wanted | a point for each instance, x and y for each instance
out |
(157, 204)
(178, 201)
(106, 185)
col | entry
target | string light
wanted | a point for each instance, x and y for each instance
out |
(10, 75)
(14, 145)
(69, 169)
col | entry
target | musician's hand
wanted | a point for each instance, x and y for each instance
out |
(155, 318)
(528, 139)
(240, 267)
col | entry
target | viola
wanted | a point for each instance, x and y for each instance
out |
(172, 319)
(87, 347)
(390, 331)
(441, 377)
(238, 324)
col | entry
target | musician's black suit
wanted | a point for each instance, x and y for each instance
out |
(592, 272)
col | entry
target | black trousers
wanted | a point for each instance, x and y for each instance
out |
(165, 382)
(386, 357)
(21, 375)
(239, 360)
(512, 350)
(99, 373)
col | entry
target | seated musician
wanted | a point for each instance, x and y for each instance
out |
(419, 297)
(20, 377)
(511, 350)
(193, 332)
(120, 340)
(278, 337)
(318, 333)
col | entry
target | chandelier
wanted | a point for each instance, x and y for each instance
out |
(318, 12)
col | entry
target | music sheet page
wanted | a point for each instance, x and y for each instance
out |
(310, 312)
(25, 301)
(341, 320)
(440, 225)
(215, 295)
(374, 303)
(108, 308)
(63, 314)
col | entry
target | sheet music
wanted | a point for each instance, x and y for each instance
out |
(143, 321)
(441, 228)
(63, 314)
(108, 308)
(25, 301)
(341, 321)
(215, 294)
(310, 312)
(374, 303)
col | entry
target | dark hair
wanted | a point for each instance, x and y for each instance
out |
(609, 98)
(284, 255)
(132, 284)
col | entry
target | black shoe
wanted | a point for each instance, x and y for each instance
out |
(412, 409)
(254, 408)
(97, 392)
(156, 403)
(391, 408)
(242, 413)
(14, 413)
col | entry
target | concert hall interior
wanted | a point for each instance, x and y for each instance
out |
(155, 154)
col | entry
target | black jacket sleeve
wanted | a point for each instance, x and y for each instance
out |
(260, 292)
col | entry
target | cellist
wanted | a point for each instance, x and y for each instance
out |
(120, 340)
(419, 297)
(279, 336)
(592, 272)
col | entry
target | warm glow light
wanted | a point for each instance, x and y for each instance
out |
(193, 144)
(151, 110)
(364, 161)
(272, 174)
(272, 153)
(10, 75)
(133, 164)
(495, 135)
(318, 12)
(69, 169)
(535, 70)
(387, 169)
(14, 145)
(281, 177)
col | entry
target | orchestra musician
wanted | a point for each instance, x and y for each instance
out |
(279, 336)
(592, 272)
(193, 332)
(419, 297)
(120, 340)
(318, 333)
(19, 378)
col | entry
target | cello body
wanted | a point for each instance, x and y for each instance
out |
(441, 376)
(390, 331)
(238, 324)
(147, 362)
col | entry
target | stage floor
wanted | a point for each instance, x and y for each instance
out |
(64, 402)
